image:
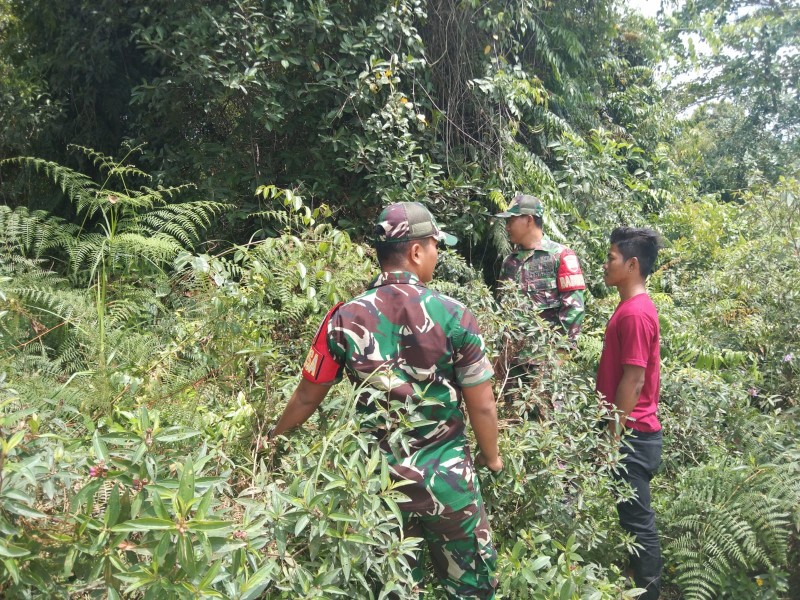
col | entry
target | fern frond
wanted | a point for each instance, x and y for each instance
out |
(183, 222)
(170, 192)
(128, 249)
(729, 519)
(79, 188)
(31, 359)
(55, 303)
(32, 233)
(133, 350)
(27, 271)
(132, 304)
(109, 164)
(71, 356)
(102, 201)
(87, 253)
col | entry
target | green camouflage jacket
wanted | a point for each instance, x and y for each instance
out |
(421, 347)
(551, 275)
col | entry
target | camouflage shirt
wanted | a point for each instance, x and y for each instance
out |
(551, 275)
(421, 347)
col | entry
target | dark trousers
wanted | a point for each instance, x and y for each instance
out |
(635, 516)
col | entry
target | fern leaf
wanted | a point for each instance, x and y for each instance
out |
(79, 188)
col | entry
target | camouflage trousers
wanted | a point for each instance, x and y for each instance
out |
(460, 547)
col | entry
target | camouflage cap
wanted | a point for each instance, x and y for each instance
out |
(523, 204)
(404, 221)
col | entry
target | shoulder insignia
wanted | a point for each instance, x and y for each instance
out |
(320, 365)
(312, 363)
(570, 276)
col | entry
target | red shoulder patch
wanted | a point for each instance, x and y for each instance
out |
(320, 365)
(570, 276)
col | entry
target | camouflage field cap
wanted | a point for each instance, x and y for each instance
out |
(404, 221)
(523, 204)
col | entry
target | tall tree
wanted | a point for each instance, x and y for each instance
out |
(742, 52)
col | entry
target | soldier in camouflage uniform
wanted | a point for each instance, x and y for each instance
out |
(424, 349)
(547, 271)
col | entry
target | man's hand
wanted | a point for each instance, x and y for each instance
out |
(494, 466)
(306, 398)
(482, 410)
(264, 443)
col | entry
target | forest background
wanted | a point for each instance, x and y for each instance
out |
(187, 187)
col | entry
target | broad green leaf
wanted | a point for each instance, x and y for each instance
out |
(23, 510)
(9, 550)
(15, 439)
(257, 582)
(99, 447)
(198, 525)
(119, 437)
(205, 504)
(69, 562)
(161, 551)
(13, 569)
(301, 524)
(540, 563)
(208, 579)
(138, 582)
(137, 456)
(394, 508)
(175, 434)
(186, 487)
(342, 517)
(144, 418)
(361, 539)
(186, 554)
(145, 524)
(113, 508)
(335, 484)
(158, 505)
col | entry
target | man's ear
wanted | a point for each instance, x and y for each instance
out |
(414, 253)
(633, 264)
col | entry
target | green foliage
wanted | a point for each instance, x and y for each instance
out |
(745, 87)
(728, 519)
(124, 234)
(731, 301)
(32, 234)
(145, 512)
(440, 102)
(134, 228)
(557, 572)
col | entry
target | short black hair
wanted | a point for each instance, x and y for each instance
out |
(641, 242)
(539, 221)
(390, 253)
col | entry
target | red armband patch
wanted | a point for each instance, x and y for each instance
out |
(570, 276)
(320, 365)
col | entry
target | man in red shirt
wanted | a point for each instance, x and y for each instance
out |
(629, 379)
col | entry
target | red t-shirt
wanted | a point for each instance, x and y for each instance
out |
(632, 338)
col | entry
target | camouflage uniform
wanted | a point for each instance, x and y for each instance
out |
(551, 275)
(420, 347)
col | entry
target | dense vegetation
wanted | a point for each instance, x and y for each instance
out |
(187, 186)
